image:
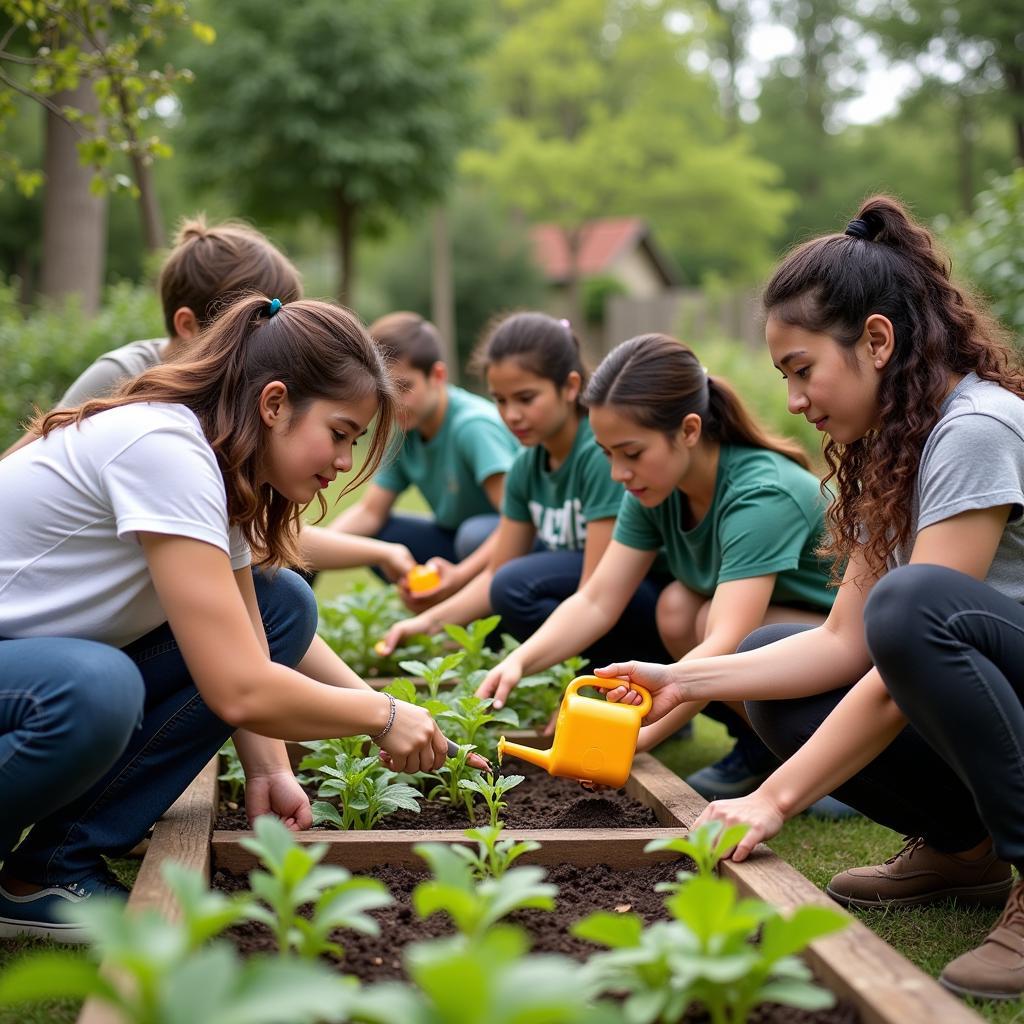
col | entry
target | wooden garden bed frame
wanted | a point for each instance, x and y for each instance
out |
(855, 963)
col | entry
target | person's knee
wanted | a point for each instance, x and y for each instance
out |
(762, 637)
(511, 593)
(898, 607)
(472, 533)
(289, 611)
(775, 726)
(675, 616)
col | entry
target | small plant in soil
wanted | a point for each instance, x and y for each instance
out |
(492, 789)
(435, 671)
(292, 877)
(449, 778)
(233, 775)
(406, 689)
(366, 790)
(468, 715)
(475, 906)
(536, 698)
(493, 855)
(705, 846)
(473, 641)
(327, 752)
(722, 952)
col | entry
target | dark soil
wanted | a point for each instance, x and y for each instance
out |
(541, 801)
(581, 891)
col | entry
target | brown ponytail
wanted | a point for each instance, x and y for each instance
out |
(887, 263)
(657, 381)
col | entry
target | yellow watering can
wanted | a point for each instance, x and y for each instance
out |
(594, 741)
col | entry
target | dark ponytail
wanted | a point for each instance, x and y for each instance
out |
(541, 344)
(656, 381)
(887, 263)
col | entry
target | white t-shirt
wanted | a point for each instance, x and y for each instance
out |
(71, 505)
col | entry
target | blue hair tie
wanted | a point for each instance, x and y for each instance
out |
(273, 307)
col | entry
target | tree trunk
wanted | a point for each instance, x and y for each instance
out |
(346, 214)
(149, 206)
(442, 292)
(74, 220)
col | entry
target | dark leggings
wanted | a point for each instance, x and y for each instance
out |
(951, 652)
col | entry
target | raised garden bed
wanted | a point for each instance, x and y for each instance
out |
(857, 965)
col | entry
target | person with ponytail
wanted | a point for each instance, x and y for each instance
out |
(120, 677)
(909, 701)
(736, 512)
(559, 504)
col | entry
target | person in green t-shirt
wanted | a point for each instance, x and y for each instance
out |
(453, 447)
(560, 502)
(736, 513)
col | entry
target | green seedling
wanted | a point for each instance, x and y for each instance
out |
(536, 698)
(353, 623)
(469, 714)
(473, 642)
(725, 953)
(492, 790)
(706, 846)
(292, 877)
(473, 906)
(326, 752)
(435, 671)
(366, 790)
(167, 972)
(406, 690)
(493, 855)
(233, 775)
(448, 778)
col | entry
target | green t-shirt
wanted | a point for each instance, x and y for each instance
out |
(451, 467)
(766, 517)
(561, 502)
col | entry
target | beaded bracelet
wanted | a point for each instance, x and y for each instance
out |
(391, 721)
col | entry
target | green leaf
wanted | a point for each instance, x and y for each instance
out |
(609, 929)
(783, 936)
(204, 33)
(53, 976)
(801, 994)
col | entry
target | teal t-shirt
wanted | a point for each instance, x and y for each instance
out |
(561, 502)
(451, 467)
(766, 517)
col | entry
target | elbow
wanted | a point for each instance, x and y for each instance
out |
(238, 705)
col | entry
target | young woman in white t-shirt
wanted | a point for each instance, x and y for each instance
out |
(909, 701)
(135, 635)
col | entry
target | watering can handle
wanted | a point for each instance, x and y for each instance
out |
(643, 708)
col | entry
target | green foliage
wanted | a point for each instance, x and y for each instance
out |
(327, 752)
(493, 855)
(469, 715)
(706, 845)
(988, 248)
(233, 775)
(725, 953)
(41, 353)
(449, 781)
(293, 877)
(366, 790)
(436, 671)
(473, 906)
(536, 698)
(597, 290)
(64, 45)
(352, 623)
(492, 789)
(473, 641)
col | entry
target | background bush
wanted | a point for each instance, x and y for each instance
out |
(42, 352)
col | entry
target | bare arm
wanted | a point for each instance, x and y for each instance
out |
(332, 549)
(366, 517)
(599, 536)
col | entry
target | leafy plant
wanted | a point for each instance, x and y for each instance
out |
(473, 641)
(492, 789)
(706, 846)
(536, 698)
(476, 906)
(327, 752)
(449, 778)
(367, 792)
(469, 714)
(406, 689)
(728, 954)
(292, 877)
(435, 671)
(233, 775)
(493, 855)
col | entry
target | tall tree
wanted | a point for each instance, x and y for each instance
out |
(346, 110)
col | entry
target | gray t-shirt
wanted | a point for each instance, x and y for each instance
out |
(113, 367)
(974, 459)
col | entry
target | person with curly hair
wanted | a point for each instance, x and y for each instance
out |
(908, 703)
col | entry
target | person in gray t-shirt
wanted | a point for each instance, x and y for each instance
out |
(908, 703)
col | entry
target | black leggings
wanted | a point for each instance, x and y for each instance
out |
(951, 652)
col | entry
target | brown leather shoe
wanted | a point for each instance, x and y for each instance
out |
(995, 970)
(919, 874)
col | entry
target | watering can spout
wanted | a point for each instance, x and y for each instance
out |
(541, 758)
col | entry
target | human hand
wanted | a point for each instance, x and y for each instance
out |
(758, 811)
(500, 681)
(278, 793)
(397, 562)
(414, 743)
(660, 680)
(400, 632)
(451, 581)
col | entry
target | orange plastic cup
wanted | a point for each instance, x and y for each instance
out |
(421, 579)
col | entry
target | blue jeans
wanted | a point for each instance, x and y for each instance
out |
(527, 590)
(951, 652)
(96, 743)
